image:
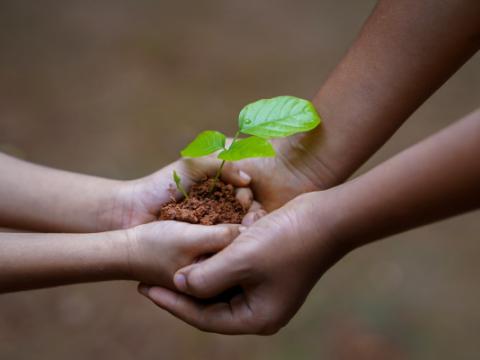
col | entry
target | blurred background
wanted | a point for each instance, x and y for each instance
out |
(116, 88)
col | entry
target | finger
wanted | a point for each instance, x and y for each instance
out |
(205, 239)
(255, 206)
(255, 213)
(213, 276)
(233, 175)
(244, 197)
(219, 317)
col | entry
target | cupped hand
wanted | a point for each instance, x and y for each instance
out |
(139, 201)
(275, 262)
(155, 251)
(293, 171)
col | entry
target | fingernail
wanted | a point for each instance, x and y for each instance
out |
(180, 282)
(244, 176)
(143, 289)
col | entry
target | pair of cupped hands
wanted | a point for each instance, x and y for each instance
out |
(272, 260)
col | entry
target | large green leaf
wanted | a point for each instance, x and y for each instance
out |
(278, 117)
(247, 148)
(205, 143)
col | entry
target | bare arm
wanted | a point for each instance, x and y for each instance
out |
(433, 180)
(406, 50)
(29, 261)
(40, 198)
(150, 253)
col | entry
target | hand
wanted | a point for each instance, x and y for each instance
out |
(157, 250)
(276, 262)
(139, 201)
(293, 171)
(274, 181)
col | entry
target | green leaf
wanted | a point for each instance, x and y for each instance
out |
(205, 143)
(177, 179)
(278, 117)
(247, 148)
(178, 182)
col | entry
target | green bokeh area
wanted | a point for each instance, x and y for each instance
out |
(118, 88)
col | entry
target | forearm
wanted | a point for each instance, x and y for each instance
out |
(40, 198)
(432, 180)
(30, 261)
(405, 51)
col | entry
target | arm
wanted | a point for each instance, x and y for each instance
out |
(29, 261)
(150, 253)
(279, 259)
(40, 198)
(435, 179)
(405, 51)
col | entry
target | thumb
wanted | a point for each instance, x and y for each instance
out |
(212, 276)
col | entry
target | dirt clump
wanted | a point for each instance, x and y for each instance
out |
(205, 206)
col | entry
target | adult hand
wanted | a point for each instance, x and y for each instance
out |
(276, 262)
(293, 171)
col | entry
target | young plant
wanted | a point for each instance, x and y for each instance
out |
(264, 119)
(178, 183)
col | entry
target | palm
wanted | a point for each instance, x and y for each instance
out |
(140, 201)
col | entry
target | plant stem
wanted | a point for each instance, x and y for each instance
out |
(219, 171)
(182, 190)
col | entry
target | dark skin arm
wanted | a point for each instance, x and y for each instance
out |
(406, 50)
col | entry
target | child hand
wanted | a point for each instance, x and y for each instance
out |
(156, 250)
(139, 201)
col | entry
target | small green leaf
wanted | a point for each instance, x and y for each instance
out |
(247, 148)
(176, 178)
(178, 182)
(205, 143)
(278, 117)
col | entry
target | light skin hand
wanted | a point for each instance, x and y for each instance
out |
(157, 250)
(278, 260)
(149, 253)
(139, 201)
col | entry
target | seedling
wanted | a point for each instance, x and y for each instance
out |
(178, 183)
(264, 119)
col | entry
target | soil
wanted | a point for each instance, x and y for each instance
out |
(206, 207)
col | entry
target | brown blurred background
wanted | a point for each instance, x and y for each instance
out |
(116, 88)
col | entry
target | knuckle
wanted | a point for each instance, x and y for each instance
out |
(227, 232)
(197, 283)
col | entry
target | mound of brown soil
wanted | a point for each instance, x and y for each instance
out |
(206, 207)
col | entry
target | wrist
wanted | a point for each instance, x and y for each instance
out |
(301, 153)
(112, 203)
(320, 223)
(119, 249)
